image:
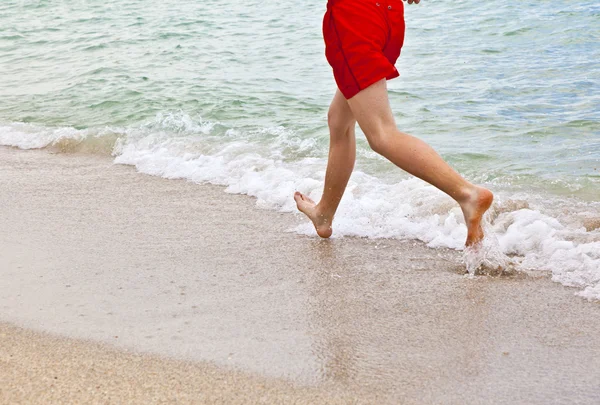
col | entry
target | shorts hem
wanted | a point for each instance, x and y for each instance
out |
(349, 93)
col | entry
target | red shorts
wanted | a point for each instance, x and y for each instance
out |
(363, 39)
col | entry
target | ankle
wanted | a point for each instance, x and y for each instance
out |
(465, 194)
(323, 212)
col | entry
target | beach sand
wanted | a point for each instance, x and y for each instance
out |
(125, 288)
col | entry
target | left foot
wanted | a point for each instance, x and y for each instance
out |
(480, 199)
(321, 222)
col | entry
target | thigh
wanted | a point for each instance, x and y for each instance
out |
(371, 108)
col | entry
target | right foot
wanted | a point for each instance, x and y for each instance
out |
(478, 202)
(310, 209)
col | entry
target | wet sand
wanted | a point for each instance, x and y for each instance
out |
(165, 290)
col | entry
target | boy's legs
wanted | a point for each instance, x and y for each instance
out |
(372, 110)
(342, 154)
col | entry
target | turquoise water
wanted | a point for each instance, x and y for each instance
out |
(236, 93)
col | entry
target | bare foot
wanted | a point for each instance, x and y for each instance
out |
(473, 209)
(310, 209)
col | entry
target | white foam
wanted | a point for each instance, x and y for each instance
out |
(252, 163)
(28, 136)
(544, 243)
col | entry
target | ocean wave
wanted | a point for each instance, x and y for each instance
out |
(62, 139)
(534, 232)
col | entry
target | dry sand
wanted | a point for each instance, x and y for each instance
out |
(195, 295)
(43, 369)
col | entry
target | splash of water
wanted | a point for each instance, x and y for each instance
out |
(487, 257)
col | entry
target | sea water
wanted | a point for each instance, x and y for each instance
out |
(236, 93)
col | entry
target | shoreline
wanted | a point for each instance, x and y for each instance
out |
(91, 250)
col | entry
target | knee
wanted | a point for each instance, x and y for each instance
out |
(378, 140)
(338, 123)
